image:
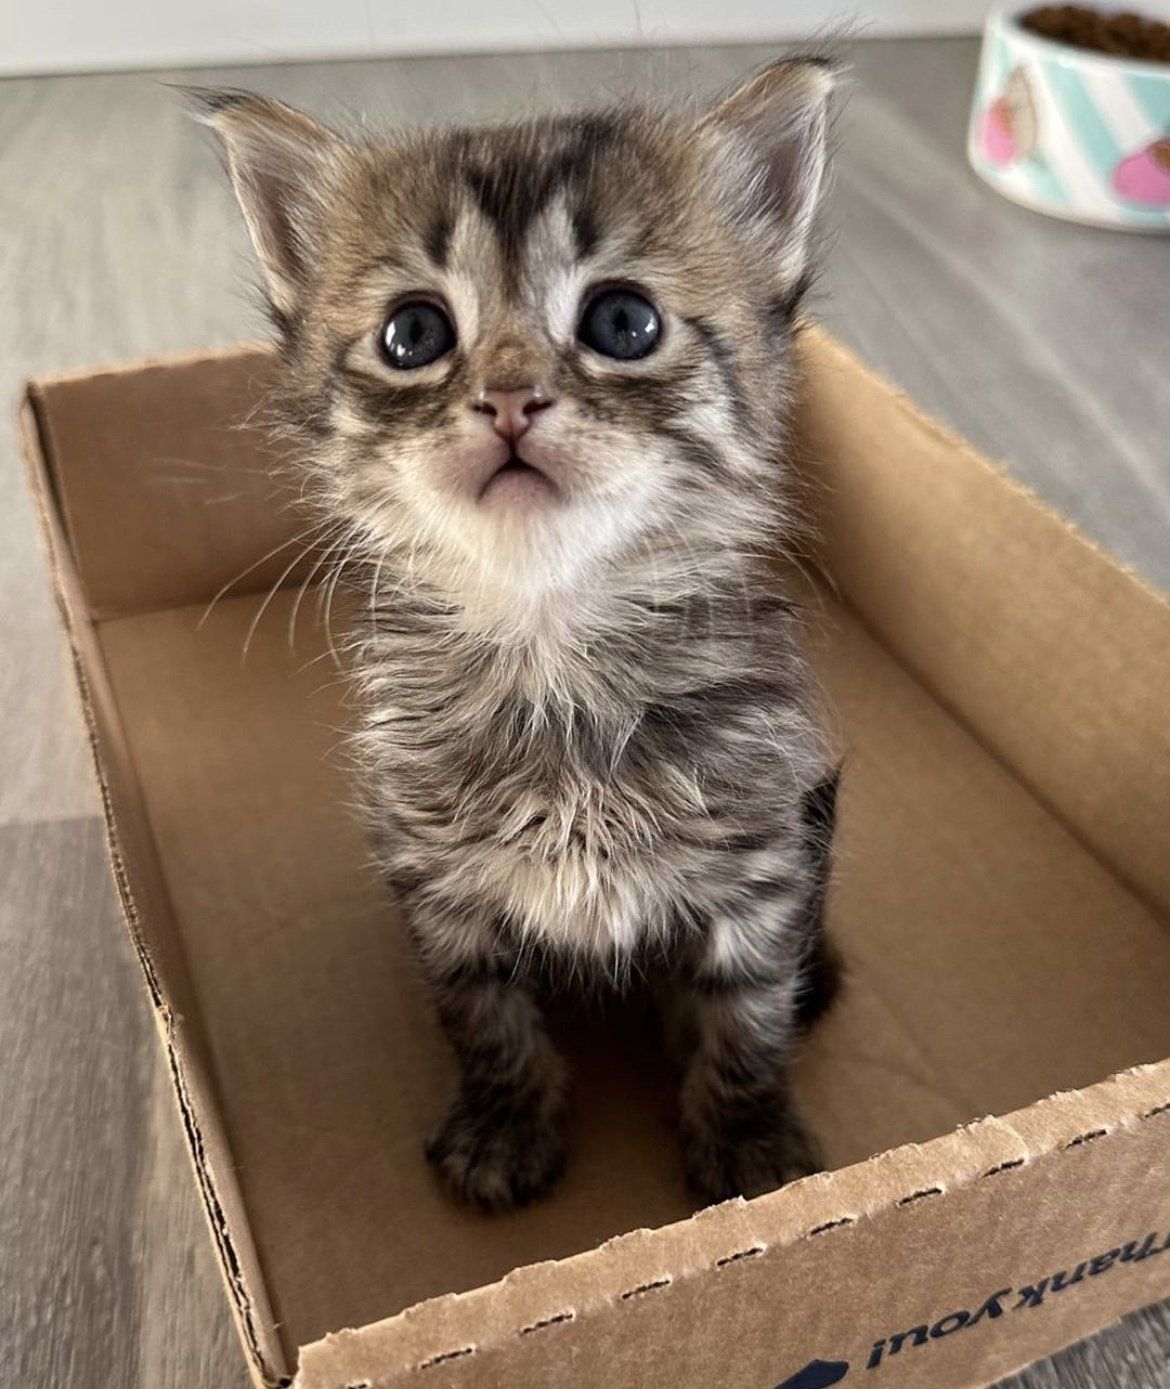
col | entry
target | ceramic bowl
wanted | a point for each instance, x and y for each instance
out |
(1071, 132)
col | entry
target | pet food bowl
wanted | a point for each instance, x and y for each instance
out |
(1071, 131)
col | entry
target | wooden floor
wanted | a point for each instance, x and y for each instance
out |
(1047, 344)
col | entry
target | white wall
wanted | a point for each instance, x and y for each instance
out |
(83, 35)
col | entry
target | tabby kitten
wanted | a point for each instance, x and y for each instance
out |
(542, 371)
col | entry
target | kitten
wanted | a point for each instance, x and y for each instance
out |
(543, 371)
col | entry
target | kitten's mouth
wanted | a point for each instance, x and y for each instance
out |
(517, 482)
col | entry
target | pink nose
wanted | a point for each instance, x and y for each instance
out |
(511, 411)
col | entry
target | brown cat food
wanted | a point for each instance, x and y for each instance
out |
(1121, 35)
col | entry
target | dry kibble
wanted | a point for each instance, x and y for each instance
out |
(1121, 35)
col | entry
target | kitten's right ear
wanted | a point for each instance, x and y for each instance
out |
(280, 163)
(777, 123)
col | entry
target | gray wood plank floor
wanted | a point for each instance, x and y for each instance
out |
(1045, 343)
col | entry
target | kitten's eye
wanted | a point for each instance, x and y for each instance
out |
(619, 323)
(415, 335)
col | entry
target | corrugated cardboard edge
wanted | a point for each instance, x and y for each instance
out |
(161, 361)
(236, 1254)
(645, 1262)
(824, 341)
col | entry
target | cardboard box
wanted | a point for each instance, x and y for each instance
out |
(1001, 895)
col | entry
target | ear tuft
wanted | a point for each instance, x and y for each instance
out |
(777, 124)
(281, 164)
(206, 102)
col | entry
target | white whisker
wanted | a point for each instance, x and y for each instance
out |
(243, 574)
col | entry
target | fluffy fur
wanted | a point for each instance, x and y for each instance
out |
(588, 738)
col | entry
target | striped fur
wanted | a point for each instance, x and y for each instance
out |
(588, 739)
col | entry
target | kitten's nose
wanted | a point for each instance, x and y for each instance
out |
(511, 411)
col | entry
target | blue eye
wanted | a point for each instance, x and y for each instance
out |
(621, 324)
(415, 335)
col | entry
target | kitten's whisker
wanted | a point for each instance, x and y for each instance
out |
(382, 558)
(339, 531)
(243, 574)
(351, 554)
(269, 596)
(312, 661)
(345, 540)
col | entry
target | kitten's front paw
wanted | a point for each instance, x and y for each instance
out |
(723, 1160)
(501, 1154)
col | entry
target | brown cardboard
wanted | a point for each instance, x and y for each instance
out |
(1000, 896)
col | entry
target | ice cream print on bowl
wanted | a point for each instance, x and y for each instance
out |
(1072, 112)
(1007, 126)
(1144, 177)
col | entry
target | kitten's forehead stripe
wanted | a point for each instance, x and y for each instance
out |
(506, 200)
(513, 180)
(437, 241)
(585, 230)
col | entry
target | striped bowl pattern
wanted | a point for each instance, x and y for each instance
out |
(1073, 133)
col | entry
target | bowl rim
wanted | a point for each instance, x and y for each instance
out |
(1008, 16)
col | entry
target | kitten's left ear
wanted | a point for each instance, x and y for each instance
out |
(281, 164)
(777, 123)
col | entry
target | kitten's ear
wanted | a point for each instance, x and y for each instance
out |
(280, 163)
(778, 123)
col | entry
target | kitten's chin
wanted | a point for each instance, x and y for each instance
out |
(518, 487)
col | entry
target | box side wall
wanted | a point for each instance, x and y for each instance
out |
(169, 484)
(943, 1267)
(147, 910)
(1054, 656)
